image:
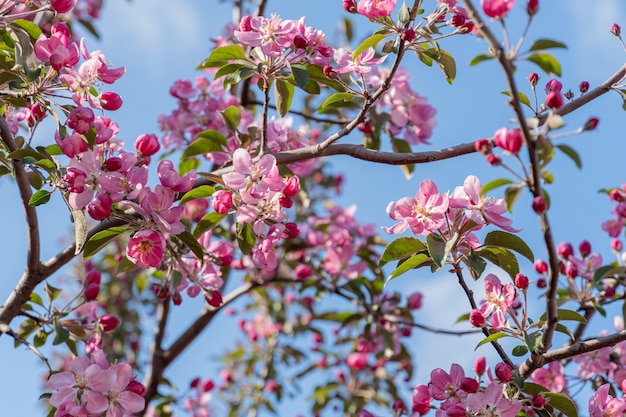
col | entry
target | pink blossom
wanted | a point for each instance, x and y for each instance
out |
(222, 201)
(253, 180)
(497, 9)
(602, 404)
(62, 6)
(123, 402)
(362, 64)
(478, 207)
(357, 360)
(373, 9)
(422, 214)
(484, 402)
(157, 206)
(445, 385)
(420, 400)
(498, 299)
(147, 144)
(58, 50)
(272, 34)
(508, 139)
(171, 179)
(146, 248)
(552, 377)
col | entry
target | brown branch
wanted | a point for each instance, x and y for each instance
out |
(157, 364)
(305, 115)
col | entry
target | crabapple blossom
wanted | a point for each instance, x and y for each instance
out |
(145, 248)
(374, 9)
(498, 299)
(57, 49)
(253, 180)
(361, 64)
(497, 9)
(508, 139)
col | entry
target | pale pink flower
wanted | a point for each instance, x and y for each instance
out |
(445, 385)
(373, 9)
(253, 180)
(123, 402)
(171, 179)
(272, 34)
(602, 404)
(362, 64)
(552, 377)
(146, 248)
(492, 402)
(498, 299)
(478, 207)
(422, 214)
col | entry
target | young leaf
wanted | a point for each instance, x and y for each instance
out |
(231, 116)
(300, 75)
(523, 98)
(100, 240)
(447, 64)
(511, 194)
(283, 94)
(546, 62)
(369, 42)
(201, 146)
(208, 222)
(439, 248)
(520, 350)
(401, 248)
(510, 241)
(563, 314)
(192, 243)
(540, 44)
(333, 98)
(40, 197)
(199, 192)
(245, 237)
(502, 258)
(416, 261)
(492, 185)
(567, 150)
(480, 58)
(491, 338)
(476, 265)
(223, 54)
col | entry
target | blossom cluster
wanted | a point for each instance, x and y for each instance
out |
(92, 386)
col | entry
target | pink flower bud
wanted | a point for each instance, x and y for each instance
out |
(302, 271)
(357, 360)
(414, 301)
(476, 319)
(583, 87)
(136, 387)
(469, 385)
(591, 124)
(554, 100)
(91, 291)
(398, 407)
(496, 9)
(480, 365)
(285, 202)
(349, 6)
(365, 127)
(246, 24)
(208, 385)
(503, 372)
(222, 201)
(291, 229)
(408, 35)
(521, 282)
(508, 139)
(160, 291)
(110, 101)
(457, 20)
(93, 277)
(62, 6)
(109, 322)
(483, 146)
(542, 283)
(177, 299)
(468, 27)
(553, 85)
(493, 159)
(532, 7)
(300, 41)
(616, 245)
(541, 266)
(584, 248)
(292, 186)
(565, 250)
(533, 79)
(539, 401)
(617, 194)
(609, 291)
(330, 72)
(616, 30)
(81, 120)
(147, 144)
(214, 298)
(571, 270)
(539, 204)
(100, 207)
(194, 382)
(112, 164)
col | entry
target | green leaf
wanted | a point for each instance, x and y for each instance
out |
(546, 62)
(567, 315)
(511, 194)
(199, 192)
(520, 350)
(62, 334)
(51, 292)
(231, 116)
(607, 271)
(40, 338)
(510, 241)
(20, 154)
(36, 298)
(416, 261)
(402, 146)
(334, 98)
(447, 64)
(32, 29)
(492, 185)
(476, 265)
(369, 42)
(480, 58)
(572, 154)
(208, 222)
(223, 54)
(523, 98)
(80, 229)
(316, 73)
(100, 240)
(192, 243)
(540, 44)
(283, 95)
(438, 248)
(401, 248)
(502, 258)
(40, 197)
(245, 237)
(491, 338)
(300, 75)
(562, 403)
(201, 146)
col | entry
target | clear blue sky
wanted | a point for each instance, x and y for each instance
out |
(159, 41)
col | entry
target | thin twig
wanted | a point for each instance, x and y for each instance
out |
(4, 328)
(305, 115)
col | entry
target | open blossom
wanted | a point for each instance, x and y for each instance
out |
(145, 248)
(272, 34)
(602, 404)
(375, 8)
(445, 385)
(498, 299)
(423, 214)
(253, 180)
(508, 139)
(58, 50)
(492, 402)
(361, 64)
(497, 8)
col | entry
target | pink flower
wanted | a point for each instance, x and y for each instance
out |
(253, 180)
(480, 208)
(360, 65)
(422, 214)
(147, 144)
(414, 301)
(483, 403)
(443, 385)
(602, 404)
(498, 299)
(552, 377)
(508, 139)
(57, 49)
(145, 248)
(62, 6)
(373, 9)
(357, 360)
(222, 201)
(171, 179)
(497, 9)
(122, 401)
(420, 401)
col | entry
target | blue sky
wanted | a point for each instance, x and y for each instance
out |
(159, 41)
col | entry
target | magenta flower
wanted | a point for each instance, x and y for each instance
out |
(492, 399)
(253, 180)
(57, 49)
(445, 385)
(122, 401)
(171, 179)
(551, 377)
(508, 139)
(145, 248)
(423, 214)
(498, 299)
(497, 8)
(480, 208)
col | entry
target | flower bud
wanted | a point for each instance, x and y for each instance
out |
(553, 85)
(616, 245)
(609, 292)
(583, 87)
(554, 100)
(480, 365)
(617, 194)
(109, 322)
(408, 35)
(503, 372)
(467, 27)
(302, 271)
(508, 139)
(300, 41)
(357, 360)
(365, 127)
(542, 283)
(112, 164)
(541, 266)
(110, 101)
(532, 7)
(539, 401)
(291, 229)
(591, 124)
(62, 6)
(292, 186)
(539, 204)
(565, 250)
(571, 270)
(214, 298)
(349, 6)
(469, 385)
(147, 144)
(584, 248)
(93, 277)
(616, 30)
(101, 207)
(136, 387)
(208, 385)
(177, 299)
(493, 159)
(246, 24)
(329, 72)
(285, 202)
(521, 282)
(457, 20)
(91, 291)
(414, 301)
(222, 201)
(483, 146)
(533, 79)
(476, 319)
